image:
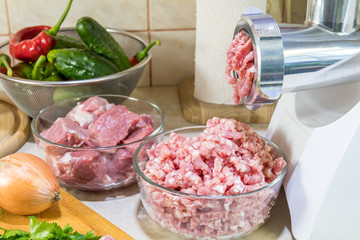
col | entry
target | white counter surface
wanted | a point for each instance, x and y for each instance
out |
(123, 207)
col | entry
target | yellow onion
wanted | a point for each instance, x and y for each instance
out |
(27, 184)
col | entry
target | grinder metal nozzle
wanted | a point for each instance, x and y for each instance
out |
(286, 56)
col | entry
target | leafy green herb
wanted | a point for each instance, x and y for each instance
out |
(46, 231)
(13, 234)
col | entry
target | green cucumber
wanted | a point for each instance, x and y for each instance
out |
(79, 64)
(65, 41)
(100, 41)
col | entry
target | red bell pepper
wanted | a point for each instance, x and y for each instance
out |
(139, 56)
(30, 43)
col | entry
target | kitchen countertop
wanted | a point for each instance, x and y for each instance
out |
(123, 207)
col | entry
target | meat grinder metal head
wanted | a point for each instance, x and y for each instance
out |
(287, 57)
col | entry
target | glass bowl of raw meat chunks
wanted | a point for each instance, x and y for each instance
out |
(89, 141)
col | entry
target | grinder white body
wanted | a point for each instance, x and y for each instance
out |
(321, 140)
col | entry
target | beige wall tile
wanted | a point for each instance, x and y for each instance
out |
(173, 61)
(122, 14)
(3, 18)
(171, 14)
(3, 39)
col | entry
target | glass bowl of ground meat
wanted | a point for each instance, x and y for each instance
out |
(89, 141)
(217, 181)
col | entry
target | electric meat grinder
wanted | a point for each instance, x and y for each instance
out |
(313, 71)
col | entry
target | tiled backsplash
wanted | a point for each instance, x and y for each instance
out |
(171, 21)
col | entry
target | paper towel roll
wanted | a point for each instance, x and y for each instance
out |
(215, 25)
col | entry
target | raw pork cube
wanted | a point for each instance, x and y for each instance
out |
(88, 111)
(114, 125)
(83, 166)
(137, 134)
(121, 165)
(147, 119)
(66, 132)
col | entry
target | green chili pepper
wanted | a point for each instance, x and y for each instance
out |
(5, 61)
(22, 70)
(65, 41)
(44, 71)
(37, 68)
(101, 42)
(80, 64)
(141, 55)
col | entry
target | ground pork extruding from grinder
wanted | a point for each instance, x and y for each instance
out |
(240, 59)
(227, 158)
(95, 123)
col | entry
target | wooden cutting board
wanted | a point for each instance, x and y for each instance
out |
(14, 127)
(68, 210)
(199, 112)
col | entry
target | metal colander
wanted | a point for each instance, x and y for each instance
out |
(31, 96)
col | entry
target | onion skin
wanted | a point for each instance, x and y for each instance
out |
(27, 184)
